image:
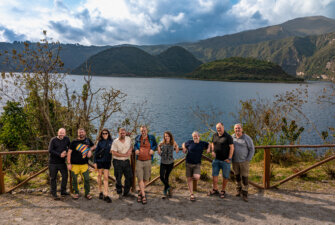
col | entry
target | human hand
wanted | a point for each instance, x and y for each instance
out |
(151, 152)
(137, 152)
(63, 154)
(89, 154)
(184, 150)
(69, 166)
(128, 153)
(228, 160)
(213, 154)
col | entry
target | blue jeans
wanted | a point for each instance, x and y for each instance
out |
(217, 165)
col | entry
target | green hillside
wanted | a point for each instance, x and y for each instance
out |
(241, 69)
(131, 61)
(178, 61)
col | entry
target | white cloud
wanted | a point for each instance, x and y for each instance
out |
(276, 11)
(168, 20)
(145, 21)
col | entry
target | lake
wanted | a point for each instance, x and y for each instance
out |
(170, 101)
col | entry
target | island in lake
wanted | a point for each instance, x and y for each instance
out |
(242, 69)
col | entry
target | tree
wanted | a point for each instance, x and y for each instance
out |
(15, 132)
(39, 80)
(38, 88)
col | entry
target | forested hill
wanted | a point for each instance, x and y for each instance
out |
(242, 69)
(131, 61)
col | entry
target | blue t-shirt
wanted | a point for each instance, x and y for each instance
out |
(194, 151)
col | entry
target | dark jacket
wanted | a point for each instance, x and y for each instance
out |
(102, 152)
(56, 147)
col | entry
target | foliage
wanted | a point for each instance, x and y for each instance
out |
(44, 93)
(329, 167)
(15, 132)
(24, 166)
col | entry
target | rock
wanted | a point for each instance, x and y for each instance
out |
(18, 219)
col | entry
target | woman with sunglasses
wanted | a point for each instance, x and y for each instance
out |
(165, 150)
(102, 162)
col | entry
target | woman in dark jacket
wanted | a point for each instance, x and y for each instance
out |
(102, 162)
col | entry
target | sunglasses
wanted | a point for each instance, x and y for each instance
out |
(104, 133)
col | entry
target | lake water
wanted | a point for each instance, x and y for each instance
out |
(170, 101)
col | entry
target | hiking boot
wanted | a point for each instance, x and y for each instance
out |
(64, 194)
(55, 197)
(245, 196)
(238, 192)
(107, 199)
(101, 195)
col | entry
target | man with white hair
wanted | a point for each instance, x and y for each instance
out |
(58, 147)
(244, 151)
(194, 149)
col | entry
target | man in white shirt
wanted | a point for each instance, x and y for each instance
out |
(121, 151)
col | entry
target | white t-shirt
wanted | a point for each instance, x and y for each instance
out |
(120, 147)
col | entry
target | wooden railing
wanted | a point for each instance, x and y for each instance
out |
(266, 172)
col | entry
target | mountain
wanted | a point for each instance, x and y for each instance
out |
(300, 46)
(178, 61)
(71, 54)
(241, 69)
(209, 49)
(131, 61)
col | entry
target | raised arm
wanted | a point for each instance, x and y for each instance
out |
(176, 147)
(184, 148)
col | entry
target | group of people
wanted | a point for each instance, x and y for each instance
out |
(237, 150)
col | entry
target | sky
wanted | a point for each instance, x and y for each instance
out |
(146, 22)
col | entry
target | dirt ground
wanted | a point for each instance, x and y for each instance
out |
(264, 207)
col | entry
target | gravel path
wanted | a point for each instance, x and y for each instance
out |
(266, 207)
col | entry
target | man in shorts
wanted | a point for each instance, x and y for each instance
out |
(121, 150)
(244, 151)
(194, 149)
(222, 152)
(77, 162)
(144, 147)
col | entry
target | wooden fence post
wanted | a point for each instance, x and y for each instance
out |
(267, 161)
(2, 180)
(133, 164)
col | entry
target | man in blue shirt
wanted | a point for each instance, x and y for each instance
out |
(194, 149)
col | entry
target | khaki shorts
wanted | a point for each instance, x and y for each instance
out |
(143, 170)
(241, 168)
(192, 169)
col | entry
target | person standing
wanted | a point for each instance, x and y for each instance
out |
(121, 150)
(165, 150)
(102, 162)
(194, 149)
(144, 147)
(58, 147)
(77, 162)
(222, 152)
(244, 151)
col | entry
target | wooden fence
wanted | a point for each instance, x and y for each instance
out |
(266, 172)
